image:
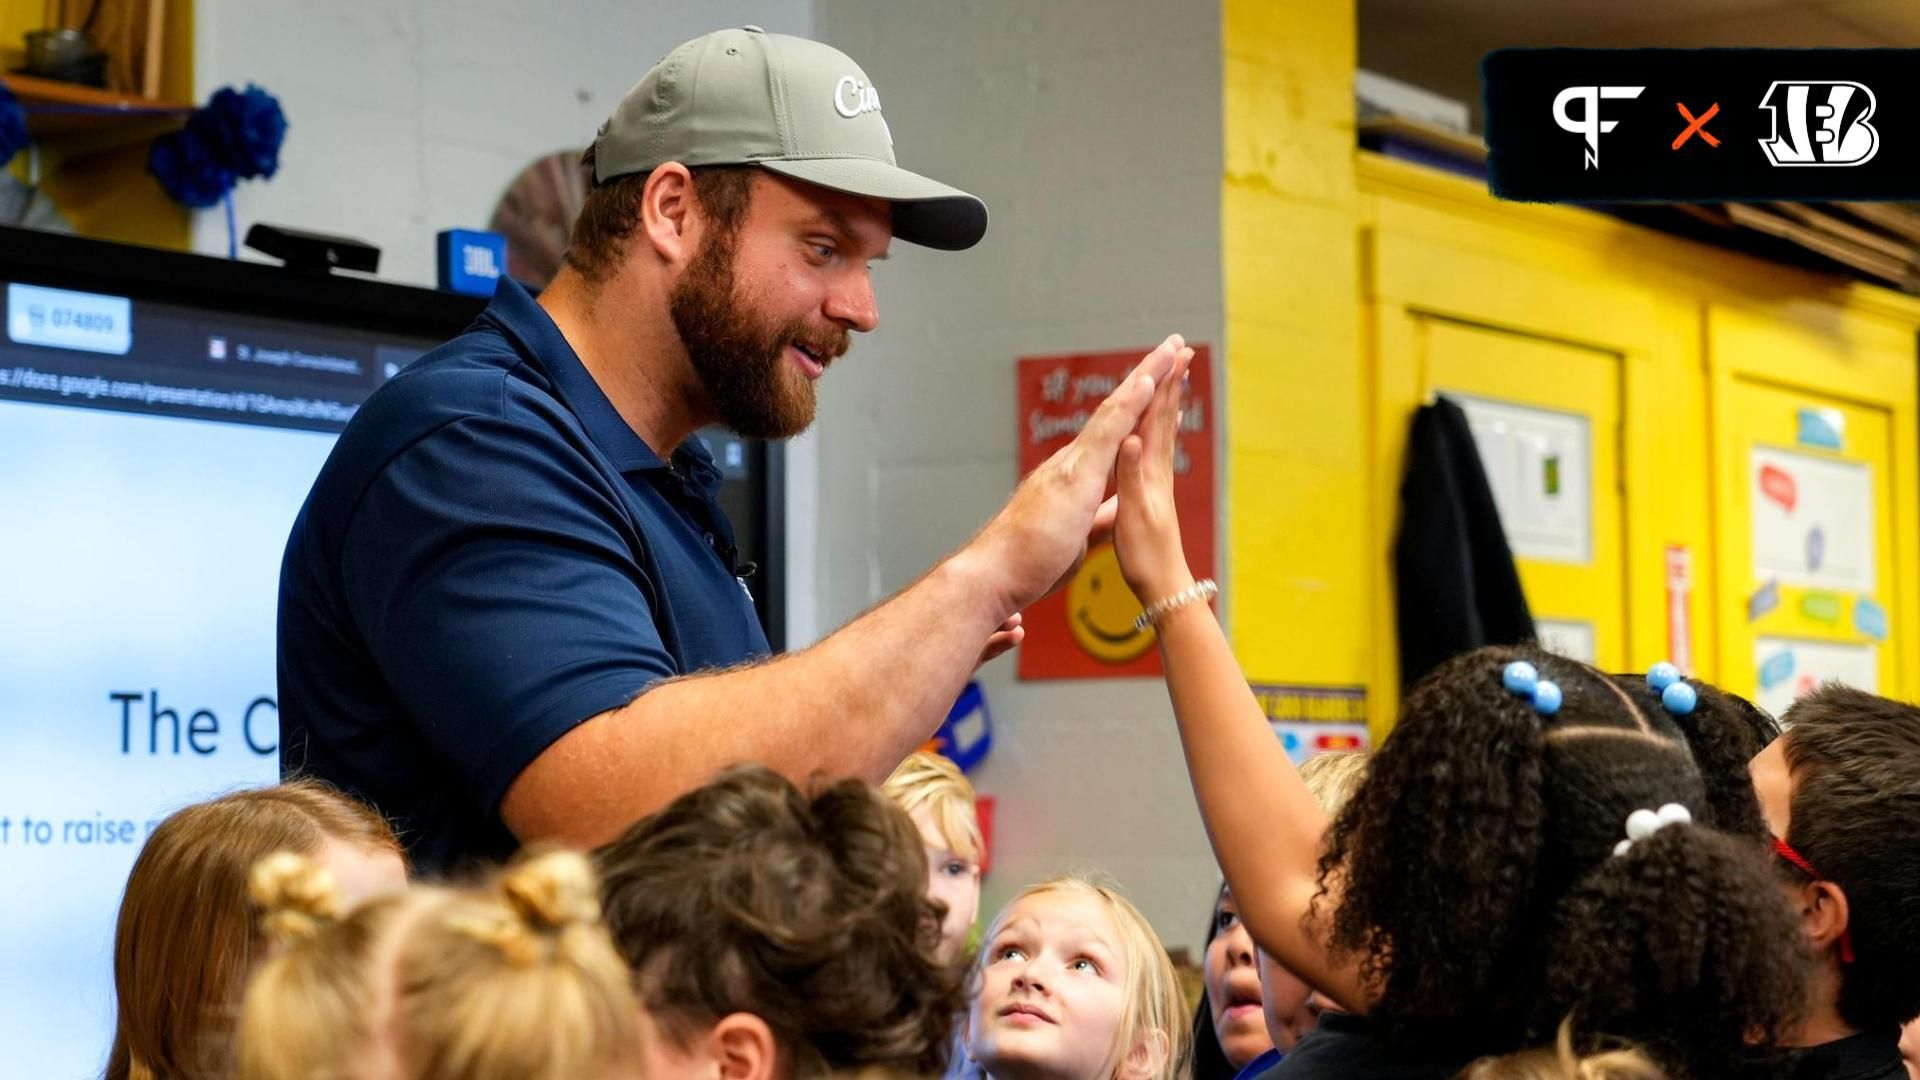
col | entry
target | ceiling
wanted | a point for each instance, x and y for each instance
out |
(1438, 44)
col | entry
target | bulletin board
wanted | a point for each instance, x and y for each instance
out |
(1814, 475)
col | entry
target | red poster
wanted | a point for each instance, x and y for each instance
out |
(1085, 630)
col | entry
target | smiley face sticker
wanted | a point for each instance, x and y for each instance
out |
(1101, 610)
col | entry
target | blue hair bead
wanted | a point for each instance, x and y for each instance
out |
(1662, 675)
(1546, 697)
(1520, 678)
(1680, 699)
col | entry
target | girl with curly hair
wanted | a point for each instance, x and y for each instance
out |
(1529, 842)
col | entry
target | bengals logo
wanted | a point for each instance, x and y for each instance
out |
(1820, 123)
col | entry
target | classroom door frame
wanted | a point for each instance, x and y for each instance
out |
(1413, 275)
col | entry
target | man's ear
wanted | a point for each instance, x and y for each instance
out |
(1146, 1058)
(669, 213)
(744, 1048)
(1824, 913)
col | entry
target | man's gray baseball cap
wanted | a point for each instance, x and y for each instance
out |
(793, 106)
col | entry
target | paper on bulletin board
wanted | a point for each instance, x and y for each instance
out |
(1567, 637)
(1538, 462)
(1812, 521)
(1085, 630)
(1788, 669)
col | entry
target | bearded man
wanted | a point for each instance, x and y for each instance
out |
(508, 609)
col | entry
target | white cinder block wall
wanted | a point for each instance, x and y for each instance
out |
(1092, 129)
(407, 117)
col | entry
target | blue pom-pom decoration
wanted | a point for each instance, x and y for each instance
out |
(13, 125)
(1662, 675)
(250, 127)
(1546, 698)
(189, 168)
(1680, 699)
(235, 136)
(1520, 678)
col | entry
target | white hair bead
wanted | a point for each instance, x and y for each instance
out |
(1644, 823)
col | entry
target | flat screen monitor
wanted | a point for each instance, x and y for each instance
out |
(161, 418)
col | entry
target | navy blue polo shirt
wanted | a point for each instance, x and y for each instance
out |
(490, 556)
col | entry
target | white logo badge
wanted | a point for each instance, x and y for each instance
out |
(1826, 124)
(852, 98)
(1589, 125)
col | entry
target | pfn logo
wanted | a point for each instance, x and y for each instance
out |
(1826, 124)
(1589, 125)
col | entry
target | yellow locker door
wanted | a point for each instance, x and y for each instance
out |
(1546, 417)
(1806, 542)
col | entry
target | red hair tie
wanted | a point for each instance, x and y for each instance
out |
(1785, 851)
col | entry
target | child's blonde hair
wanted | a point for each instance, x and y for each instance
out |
(516, 977)
(1560, 1062)
(1156, 1005)
(930, 780)
(1333, 776)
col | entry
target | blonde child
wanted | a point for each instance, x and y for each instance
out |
(936, 795)
(1560, 1062)
(186, 938)
(516, 977)
(1332, 778)
(1074, 985)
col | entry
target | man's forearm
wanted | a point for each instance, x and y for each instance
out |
(864, 697)
(853, 704)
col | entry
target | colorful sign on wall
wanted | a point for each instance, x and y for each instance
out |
(1085, 630)
(1311, 720)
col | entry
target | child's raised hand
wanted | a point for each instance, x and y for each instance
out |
(1146, 533)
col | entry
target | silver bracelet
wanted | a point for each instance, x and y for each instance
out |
(1199, 591)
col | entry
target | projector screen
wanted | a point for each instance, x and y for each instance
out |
(154, 458)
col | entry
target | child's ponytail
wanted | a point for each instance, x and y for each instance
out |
(1683, 941)
(296, 897)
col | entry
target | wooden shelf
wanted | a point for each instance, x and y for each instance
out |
(56, 109)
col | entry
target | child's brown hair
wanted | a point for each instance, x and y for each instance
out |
(185, 936)
(807, 910)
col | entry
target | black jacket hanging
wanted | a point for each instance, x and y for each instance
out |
(1457, 588)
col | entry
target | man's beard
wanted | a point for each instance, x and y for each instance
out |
(737, 357)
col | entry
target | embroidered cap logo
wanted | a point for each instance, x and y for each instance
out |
(852, 98)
